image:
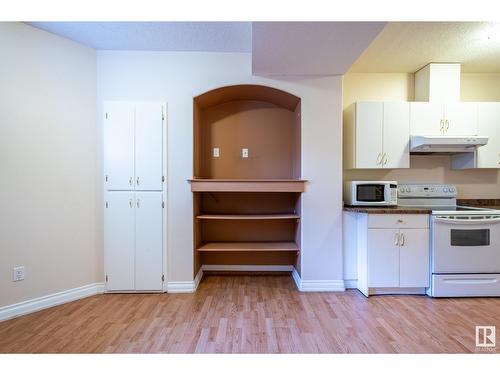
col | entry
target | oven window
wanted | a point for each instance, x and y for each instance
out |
(370, 193)
(470, 237)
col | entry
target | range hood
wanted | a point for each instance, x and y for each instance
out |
(446, 144)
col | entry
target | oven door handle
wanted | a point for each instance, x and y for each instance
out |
(466, 221)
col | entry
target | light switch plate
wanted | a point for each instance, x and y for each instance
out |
(216, 152)
(244, 152)
(18, 273)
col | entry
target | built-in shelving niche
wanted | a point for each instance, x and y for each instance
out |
(247, 210)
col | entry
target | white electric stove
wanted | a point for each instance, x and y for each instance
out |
(464, 242)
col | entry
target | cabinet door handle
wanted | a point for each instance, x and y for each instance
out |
(396, 239)
(130, 181)
(385, 159)
(447, 125)
(379, 160)
(138, 203)
(130, 202)
(138, 180)
(403, 239)
(441, 125)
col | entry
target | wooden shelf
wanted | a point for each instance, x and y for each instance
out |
(237, 185)
(249, 217)
(248, 246)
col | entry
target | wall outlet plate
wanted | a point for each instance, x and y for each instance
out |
(216, 152)
(244, 152)
(18, 273)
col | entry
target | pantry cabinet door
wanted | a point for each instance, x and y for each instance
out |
(383, 258)
(414, 258)
(396, 135)
(118, 138)
(488, 156)
(461, 118)
(149, 120)
(369, 134)
(426, 118)
(149, 239)
(119, 240)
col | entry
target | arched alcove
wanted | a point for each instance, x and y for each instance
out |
(263, 120)
(246, 208)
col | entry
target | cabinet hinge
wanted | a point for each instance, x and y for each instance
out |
(162, 277)
(106, 278)
(106, 204)
(162, 204)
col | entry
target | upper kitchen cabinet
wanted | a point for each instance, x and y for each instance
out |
(133, 145)
(376, 135)
(436, 118)
(488, 156)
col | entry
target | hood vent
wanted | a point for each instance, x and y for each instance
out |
(445, 144)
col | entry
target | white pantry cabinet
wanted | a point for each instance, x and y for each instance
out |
(376, 135)
(133, 241)
(436, 118)
(392, 253)
(488, 156)
(133, 145)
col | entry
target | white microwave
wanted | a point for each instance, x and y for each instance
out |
(371, 193)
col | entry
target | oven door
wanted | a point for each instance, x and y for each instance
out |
(372, 194)
(469, 245)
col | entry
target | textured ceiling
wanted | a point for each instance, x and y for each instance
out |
(156, 36)
(309, 48)
(404, 47)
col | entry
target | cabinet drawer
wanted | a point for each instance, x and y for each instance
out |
(398, 221)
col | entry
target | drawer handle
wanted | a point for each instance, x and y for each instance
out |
(400, 221)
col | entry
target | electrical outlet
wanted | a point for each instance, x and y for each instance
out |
(18, 273)
(244, 152)
(216, 152)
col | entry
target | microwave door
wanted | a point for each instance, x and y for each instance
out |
(371, 193)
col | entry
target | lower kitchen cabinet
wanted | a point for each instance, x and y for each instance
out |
(392, 252)
(133, 241)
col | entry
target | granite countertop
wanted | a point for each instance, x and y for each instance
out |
(388, 210)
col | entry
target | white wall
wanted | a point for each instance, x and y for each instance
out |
(176, 78)
(48, 164)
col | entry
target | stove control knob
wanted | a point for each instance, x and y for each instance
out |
(445, 190)
(452, 190)
(408, 189)
(401, 189)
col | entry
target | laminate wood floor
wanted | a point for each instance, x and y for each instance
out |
(252, 314)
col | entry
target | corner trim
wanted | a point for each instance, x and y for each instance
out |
(50, 300)
(185, 286)
(351, 283)
(317, 285)
(297, 279)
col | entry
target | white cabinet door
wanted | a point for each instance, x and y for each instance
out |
(148, 146)
(119, 239)
(369, 134)
(461, 118)
(426, 118)
(383, 258)
(396, 135)
(414, 258)
(149, 238)
(119, 145)
(488, 156)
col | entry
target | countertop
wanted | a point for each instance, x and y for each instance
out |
(388, 210)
